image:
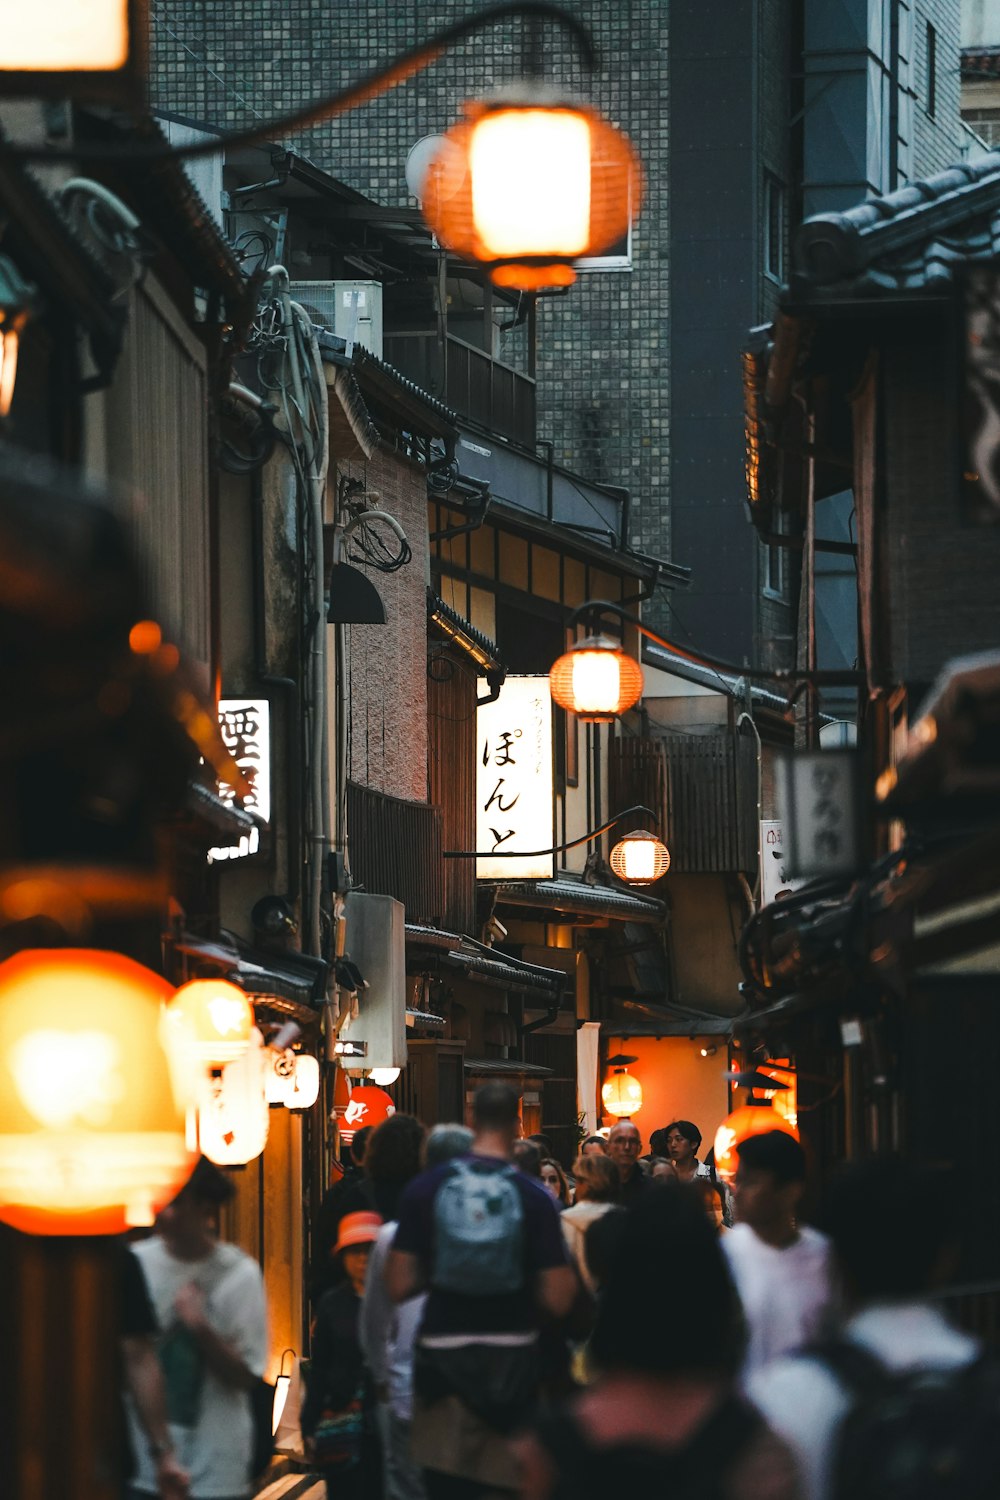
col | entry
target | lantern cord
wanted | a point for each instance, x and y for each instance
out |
(368, 87)
(598, 607)
(555, 849)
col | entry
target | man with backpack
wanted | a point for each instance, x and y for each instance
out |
(899, 1403)
(484, 1240)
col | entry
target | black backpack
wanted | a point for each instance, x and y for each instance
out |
(919, 1434)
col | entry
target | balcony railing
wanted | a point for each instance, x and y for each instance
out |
(395, 849)
(489, 393)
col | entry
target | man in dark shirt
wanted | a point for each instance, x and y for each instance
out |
(624, 1145)
(477, 1354)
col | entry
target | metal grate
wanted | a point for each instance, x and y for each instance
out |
(395, 850)
(711, 803)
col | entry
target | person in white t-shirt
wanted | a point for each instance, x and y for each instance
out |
(209, 1303)
(893, 1228)
(782, 1270)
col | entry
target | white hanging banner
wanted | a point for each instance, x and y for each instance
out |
(245, 725)
(588, 1038)
(514, 781)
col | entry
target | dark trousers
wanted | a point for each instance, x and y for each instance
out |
(440, 1486)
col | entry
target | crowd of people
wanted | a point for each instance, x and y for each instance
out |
(487, 1324)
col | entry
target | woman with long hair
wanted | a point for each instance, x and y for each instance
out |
(663, 1416)
(554, 1178)
(597, 1182)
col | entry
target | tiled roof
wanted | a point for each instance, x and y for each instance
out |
(980, 62)
(463, 632)
(574, 897)
(907, 243)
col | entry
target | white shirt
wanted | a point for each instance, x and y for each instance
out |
(388, 1330)
(805, 1402)
(217, 1450)
(787, 1294)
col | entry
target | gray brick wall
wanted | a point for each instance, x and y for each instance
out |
(603, 348)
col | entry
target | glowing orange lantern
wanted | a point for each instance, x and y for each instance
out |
(640, 858)
(527, 184)
(622, 1094)
(750, 1119)
(92, 1139)
(233, 1113)
(596, 680)
(367, 1106)
(211, 1019)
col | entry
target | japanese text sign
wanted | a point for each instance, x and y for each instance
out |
(514, 781)
(245, 724)
(820, 796)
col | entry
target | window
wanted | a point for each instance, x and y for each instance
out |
(774, 228)
(774, 572)
(931, 70)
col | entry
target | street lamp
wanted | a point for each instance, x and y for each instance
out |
(640, 858)
(597, 679)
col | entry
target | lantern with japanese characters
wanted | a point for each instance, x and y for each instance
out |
(367, 1106)
(233, 1114)
(212, 1021)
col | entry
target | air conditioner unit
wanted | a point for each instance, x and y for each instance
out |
(376, 945)
(350, 309)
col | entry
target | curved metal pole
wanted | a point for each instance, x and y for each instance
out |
(600, 607)
(556, 848)
(377, 82)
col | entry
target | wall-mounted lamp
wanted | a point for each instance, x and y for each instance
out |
(709, 1051)
(281, 1384)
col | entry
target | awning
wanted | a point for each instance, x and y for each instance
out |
(642, 1018)
(502, 1067)
(486, 965)
(576, 899)
(290, 983)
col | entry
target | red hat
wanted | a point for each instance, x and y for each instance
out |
(357, 1229)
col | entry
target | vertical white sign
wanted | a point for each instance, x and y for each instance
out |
(514, 781)
(773, 855)
(245, 725)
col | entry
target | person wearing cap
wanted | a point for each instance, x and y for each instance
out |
(333, 1412)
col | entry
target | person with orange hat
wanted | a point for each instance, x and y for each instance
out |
(336, 1432)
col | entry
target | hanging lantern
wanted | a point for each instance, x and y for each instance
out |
(367, 1106)
(640, 858)
(92, 1119)
(596, 680)
(622, 1094)
(280, 1076)
(748, 1120)
(233, 1117)
(212, 1020)
(383, 1077)
(304, 1090)
(529, 182)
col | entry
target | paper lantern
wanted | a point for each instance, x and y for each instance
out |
(92, 1114)
(304, 1087)
(367, 1106)
(622, 1094)
(212, 1019)
(233, 1117)
(750, 1119)
(279, 1076)
(640, 858)
(383, 1077)
(527, 184)
(596, 680)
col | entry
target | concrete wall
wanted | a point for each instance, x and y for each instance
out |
(980, 23)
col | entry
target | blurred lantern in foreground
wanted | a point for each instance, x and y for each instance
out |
(528, 183)
(750, 1119)
(367, 1106)
(640, 858)
(233, 1117)
(212, 1020)
(17, 303)
(68, 49)
(596, 680)
(622, 1094)
(92, 1136)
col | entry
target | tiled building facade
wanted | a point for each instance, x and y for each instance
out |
(603, 349)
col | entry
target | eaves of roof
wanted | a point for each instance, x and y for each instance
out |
(980, 62)
(453, 951)
(504, 1067)
(49, 252)
(575, 544)
(463, 634)
(425, 414)
(906, 244)
(575, 898)
(710, 677)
